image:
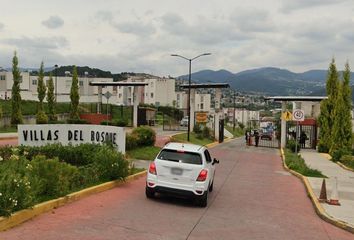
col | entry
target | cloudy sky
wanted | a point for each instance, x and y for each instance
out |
(140, 35)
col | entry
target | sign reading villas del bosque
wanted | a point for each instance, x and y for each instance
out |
(38, 135)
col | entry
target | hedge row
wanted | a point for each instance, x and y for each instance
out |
(29, 175)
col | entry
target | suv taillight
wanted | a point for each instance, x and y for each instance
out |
(202, 175)
(152, 168)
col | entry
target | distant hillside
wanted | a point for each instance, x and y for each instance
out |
(269, 80)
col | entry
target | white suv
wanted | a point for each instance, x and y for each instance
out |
(182, 169)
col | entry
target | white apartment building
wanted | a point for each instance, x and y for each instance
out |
(159, 92)
(311, 109)
(201, 104)
(243, 116)
(62, 86)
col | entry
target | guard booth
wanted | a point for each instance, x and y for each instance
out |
(218, 115)
(146, 116)
(307, 125)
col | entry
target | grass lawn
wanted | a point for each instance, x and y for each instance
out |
(8, 130)
(192, 139)
(296, 163)
(143, 153)
(237, 133)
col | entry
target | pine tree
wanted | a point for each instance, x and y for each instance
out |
(16, 114)
(74, 96)
(51, 99)
(343, 125)
(326, 118)
(41, 90)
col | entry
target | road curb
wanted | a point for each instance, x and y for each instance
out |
(26, 214)
(317, 205)
(329, 157)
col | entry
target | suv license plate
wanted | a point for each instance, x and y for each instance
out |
(176, 171)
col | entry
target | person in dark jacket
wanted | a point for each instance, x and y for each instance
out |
(303, 138)
(256, 138)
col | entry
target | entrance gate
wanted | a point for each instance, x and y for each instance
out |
(307, 127)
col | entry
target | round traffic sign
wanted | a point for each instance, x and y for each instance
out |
(298, 115)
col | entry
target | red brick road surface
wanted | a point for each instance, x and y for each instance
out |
(253, 198)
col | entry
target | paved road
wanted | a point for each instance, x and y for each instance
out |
(253, 198)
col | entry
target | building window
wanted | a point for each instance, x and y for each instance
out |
(201, 106)
(81, 83)
(152, 95)
(202, 98)
(2, 77)
(34, 81)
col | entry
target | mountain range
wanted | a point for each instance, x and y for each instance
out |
(267, 81)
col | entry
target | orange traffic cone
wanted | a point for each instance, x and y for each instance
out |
(334, 200)
(323, 194)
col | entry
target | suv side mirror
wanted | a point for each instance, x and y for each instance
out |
(215, 161)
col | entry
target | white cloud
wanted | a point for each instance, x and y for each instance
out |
(140, 35)
(53, 22)
(292, 5)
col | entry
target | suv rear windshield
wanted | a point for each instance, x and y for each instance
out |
(180, 156)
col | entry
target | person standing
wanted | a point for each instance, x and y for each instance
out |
(303, 138)
(256, 138)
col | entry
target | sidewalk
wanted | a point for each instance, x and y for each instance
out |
(345, 179)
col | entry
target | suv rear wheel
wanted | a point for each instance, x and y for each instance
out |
(202, 201)
(150, 193)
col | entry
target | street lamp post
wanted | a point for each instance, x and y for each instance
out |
(189, 86)
(234, 111)
(56, 87)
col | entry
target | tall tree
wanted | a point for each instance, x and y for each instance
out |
(342, 128)
(74, 96)
(51, 99)
(326, 118)
(16, 114)
(41, 88)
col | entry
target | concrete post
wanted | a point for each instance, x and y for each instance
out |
(99, 104)
(135, 106)
(192, 106)
(283, 125)
(217, 112)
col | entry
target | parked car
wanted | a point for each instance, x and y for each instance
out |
(184, 122)
(184, 170)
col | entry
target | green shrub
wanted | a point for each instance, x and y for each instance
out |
(146, 136)
(41, 118)
(131, 141)
(291, 145)
(105, 122)
(77, 121)
(55, 178)
(120, 122)
(322, 148)
(197, 128)
(77, 155)
(110, 164)
(16, 190)
(347, 158)
(206, 132)
(337, 154)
